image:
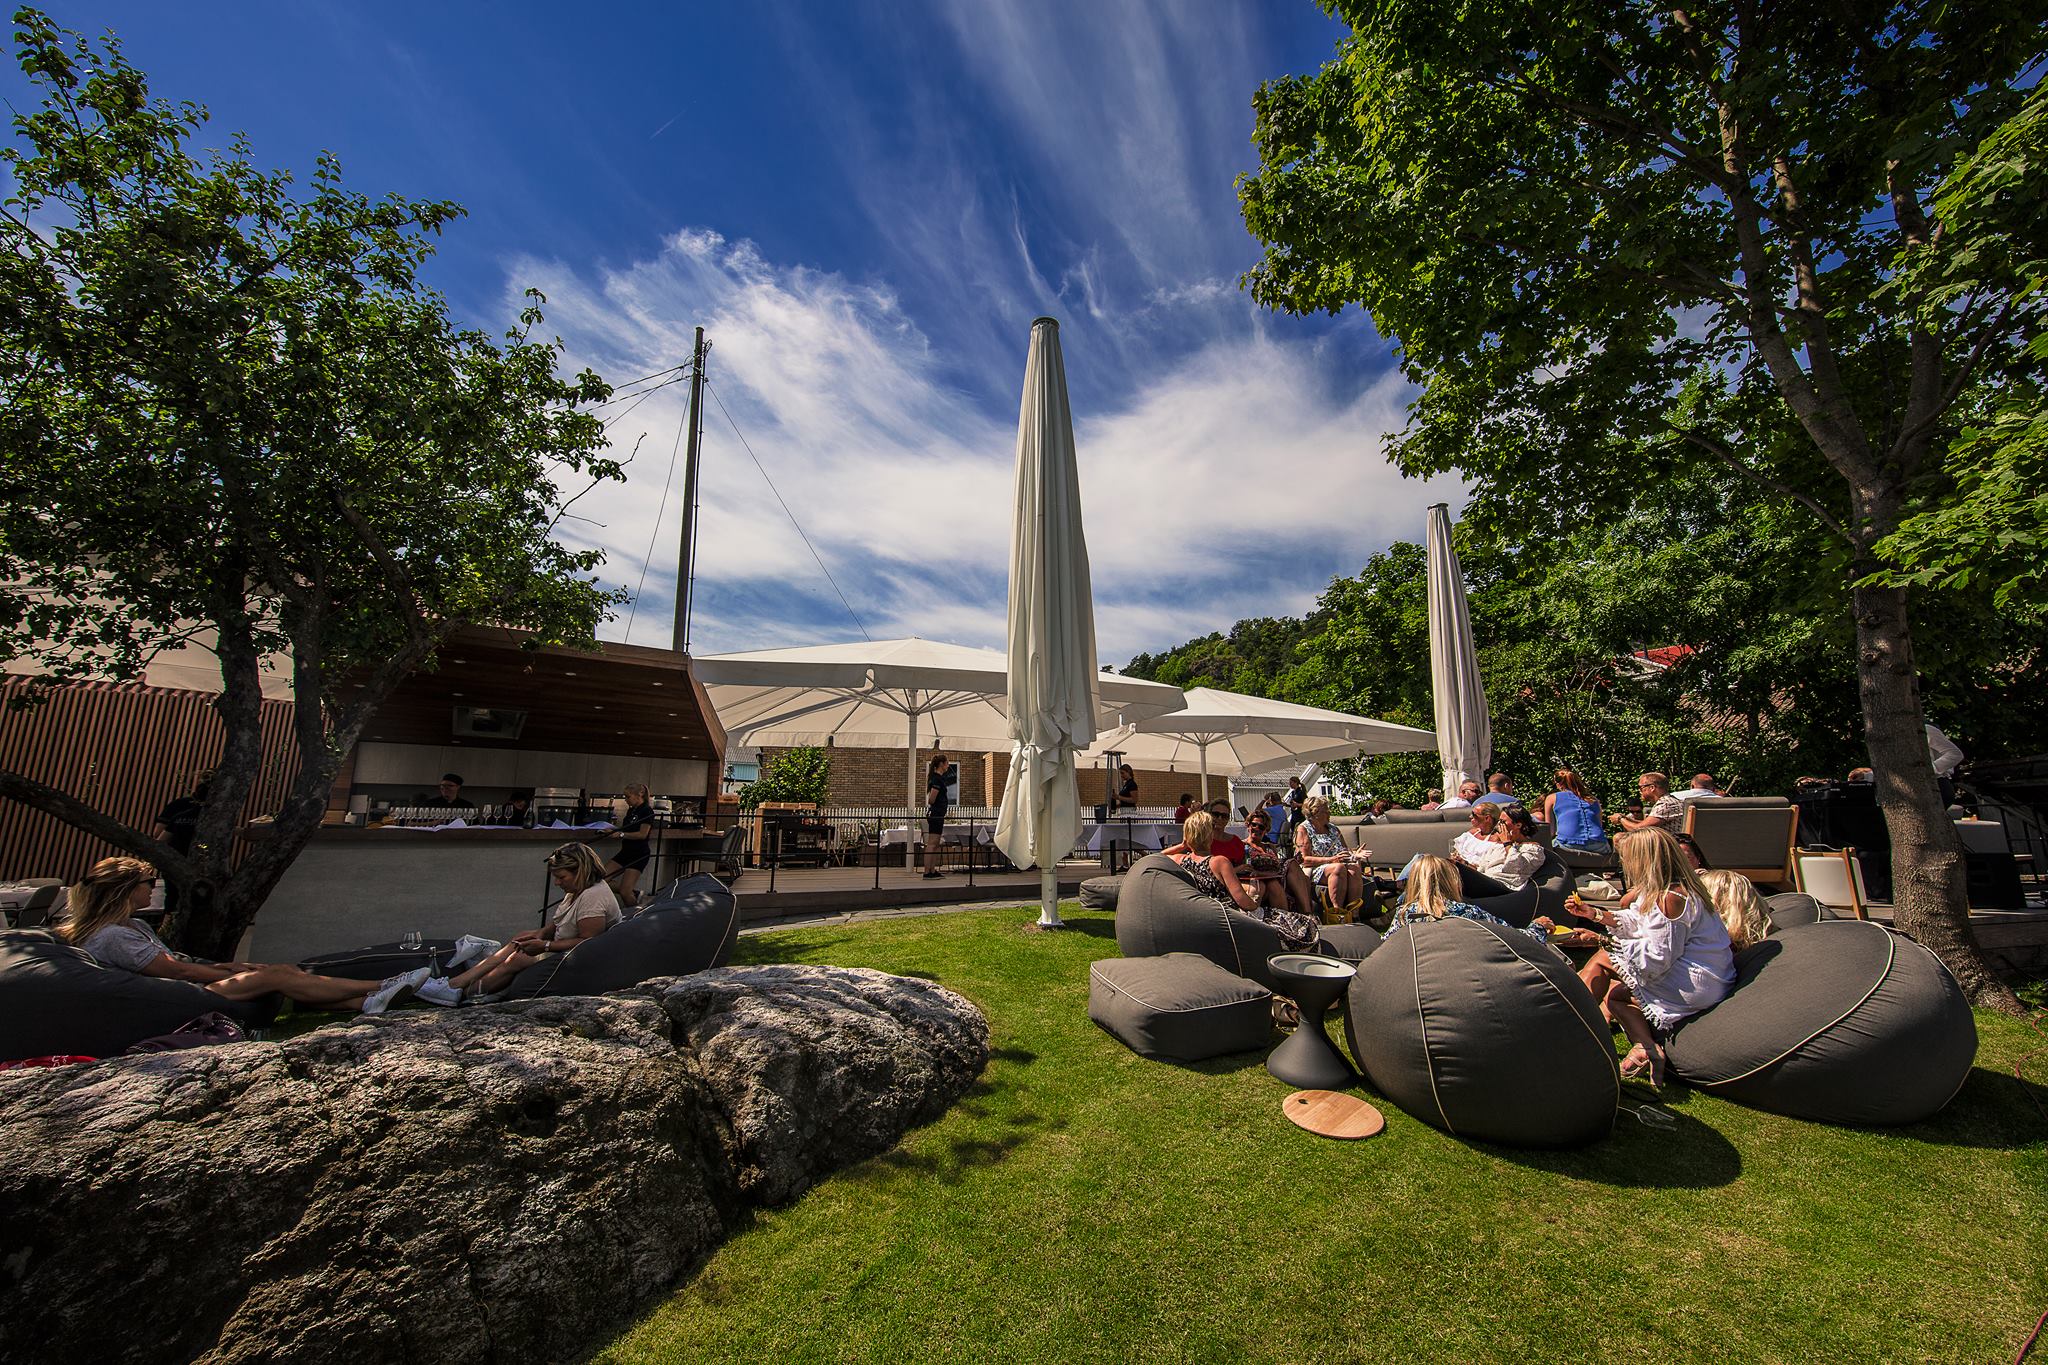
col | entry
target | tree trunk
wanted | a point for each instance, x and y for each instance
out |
(1930, 892)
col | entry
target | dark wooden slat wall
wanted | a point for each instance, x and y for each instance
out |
(126, 750)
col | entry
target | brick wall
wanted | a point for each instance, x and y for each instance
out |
(875, 777)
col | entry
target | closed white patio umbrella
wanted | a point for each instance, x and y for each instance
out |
(1463, 729)
(1053, 688)
(1231, 734)
(879, 694)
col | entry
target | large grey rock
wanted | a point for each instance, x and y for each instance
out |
(504, 1182)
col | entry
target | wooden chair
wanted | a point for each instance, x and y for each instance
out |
(1834, 878)
(1751, 835)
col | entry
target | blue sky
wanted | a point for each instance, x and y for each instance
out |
(865, 205)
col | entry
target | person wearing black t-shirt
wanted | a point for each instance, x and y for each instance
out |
(938, 799)
(1126, 789)
(636, 845)
(450, 795)
(180, 823)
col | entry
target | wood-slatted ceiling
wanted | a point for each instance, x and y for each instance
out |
(623, 699)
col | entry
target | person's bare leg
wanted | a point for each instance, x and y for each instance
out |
(300, 987)
(500, 975)
(477, 973)
(1299, 891)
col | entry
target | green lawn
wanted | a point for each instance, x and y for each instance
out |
(1081, 1203)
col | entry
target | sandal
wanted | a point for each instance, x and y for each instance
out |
(1286, 1014)
(1645, 1065)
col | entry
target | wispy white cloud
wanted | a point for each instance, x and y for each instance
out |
(1232, 483)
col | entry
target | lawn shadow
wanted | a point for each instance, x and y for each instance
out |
(1094, 928)
(1671, 1151)
(1994, 1110)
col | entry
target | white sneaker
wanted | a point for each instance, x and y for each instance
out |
(438, 991)
(469, 949)
(395, 990)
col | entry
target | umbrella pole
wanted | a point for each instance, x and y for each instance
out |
(911, 798)
(1203, 750)
(1049, 899)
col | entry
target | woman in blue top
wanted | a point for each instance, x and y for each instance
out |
(1575, 815)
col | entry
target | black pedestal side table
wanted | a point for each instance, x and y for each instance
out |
(1308, 1059)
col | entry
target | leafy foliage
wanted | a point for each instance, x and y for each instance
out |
(1619, 242)
(231, 414)
(803, 773)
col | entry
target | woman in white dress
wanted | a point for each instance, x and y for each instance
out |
(1670, 957)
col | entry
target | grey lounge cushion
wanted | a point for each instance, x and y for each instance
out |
(55, 1000)
(690, 926)
(1790, 909)
(1484, 1033)
(1516, 907)
(1352, 942)
(1841, 1021)
(1100, 893)
(1180, 1005)
(1159, 911)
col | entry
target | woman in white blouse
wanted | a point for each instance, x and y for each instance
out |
(1516, 856)
(587, 909)
(1670, 957)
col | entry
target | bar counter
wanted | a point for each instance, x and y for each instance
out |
(354, 886)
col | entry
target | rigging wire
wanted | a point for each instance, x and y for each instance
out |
(640, 398)
(654, 535)
(619, 394)
(858, 623)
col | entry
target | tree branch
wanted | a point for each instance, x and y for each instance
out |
(1720, 451)
(394, 572)
(50, 801)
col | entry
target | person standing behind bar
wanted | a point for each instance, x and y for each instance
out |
(636, 845)
(938, 799)
(450, 797)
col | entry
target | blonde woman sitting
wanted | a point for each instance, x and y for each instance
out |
(1433, 891)
(1213, 875)
(1742, 911)
(100, 918)
(587, 908)
(1671, 956)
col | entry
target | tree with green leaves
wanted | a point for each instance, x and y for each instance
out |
(802, 773)
(230, 413)
(1613, 239)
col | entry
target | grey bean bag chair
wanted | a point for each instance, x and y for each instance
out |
(1159, 911)
(1181, 1006)
(1841, 1021)
(1484, 1033)
(687, 928)
(1790, 909)
(1516, 907)
(1100, 893)
(55, 1000)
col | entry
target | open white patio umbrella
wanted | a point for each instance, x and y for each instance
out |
(1464, 732)
(1053, 683)
(879, 694)
(1231, 734)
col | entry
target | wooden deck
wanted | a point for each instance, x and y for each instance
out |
(2015, 940)
(794, 892)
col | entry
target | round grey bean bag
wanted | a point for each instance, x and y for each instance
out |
(1841, 1021)
(1789, 909)
(687, 928)
(1100, 893)
(1484, 1033)
(1159, 911)
(55, 1000)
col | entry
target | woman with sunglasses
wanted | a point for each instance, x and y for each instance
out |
(99, 917)
(1281, 884)
(587, 908)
